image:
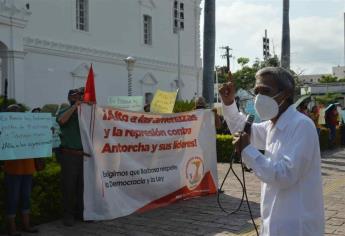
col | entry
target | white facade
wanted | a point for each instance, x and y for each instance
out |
(310, 79)
(320, 89)
(44, 54)
(339, 71)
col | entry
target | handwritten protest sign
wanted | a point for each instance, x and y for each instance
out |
(140, 161)
(163, 102)
(131, 103)
(25, 135)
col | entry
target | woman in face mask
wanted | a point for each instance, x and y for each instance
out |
(290, 172)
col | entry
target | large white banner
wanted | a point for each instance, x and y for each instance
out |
(140, 161)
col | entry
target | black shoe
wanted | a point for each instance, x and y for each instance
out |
(68, 221)
(31, 231)
(13, 234)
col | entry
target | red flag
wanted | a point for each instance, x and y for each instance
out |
(90, 91)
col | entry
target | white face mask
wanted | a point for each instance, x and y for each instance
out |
(266, 107)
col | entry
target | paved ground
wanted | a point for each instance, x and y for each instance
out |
(202, 216)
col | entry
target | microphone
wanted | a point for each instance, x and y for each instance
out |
(248, 125)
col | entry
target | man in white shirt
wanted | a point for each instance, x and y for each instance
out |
(290, 172)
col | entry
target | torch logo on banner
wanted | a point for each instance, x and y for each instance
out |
(194, 172)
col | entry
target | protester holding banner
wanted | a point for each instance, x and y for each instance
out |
(18, 182)
(71, 159)
(291, 192)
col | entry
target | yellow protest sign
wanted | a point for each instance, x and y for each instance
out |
(163, 102)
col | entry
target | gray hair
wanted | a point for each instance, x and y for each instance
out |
(283, 78)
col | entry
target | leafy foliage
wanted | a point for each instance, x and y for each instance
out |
(328, 98)
(224, 147)
(45, 196)
(53, 108)
(245, 77)
(329, 79)
(10, 102)
(183, 106)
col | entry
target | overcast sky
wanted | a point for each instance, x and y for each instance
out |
(316, 31)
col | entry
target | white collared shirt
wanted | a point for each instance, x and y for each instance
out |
(290, 171)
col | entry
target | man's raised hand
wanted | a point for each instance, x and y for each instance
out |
(227, 91)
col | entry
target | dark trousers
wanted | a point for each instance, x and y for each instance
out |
(72, 180)
(332, 135)
(18, 187)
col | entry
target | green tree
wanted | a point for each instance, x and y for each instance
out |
(243, 61)
(245, 77)
(329, 79)
(271, 61)
(328, 98)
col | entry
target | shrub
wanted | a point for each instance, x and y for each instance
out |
(53, 108)
(323, 139)
(45, 195)
(324, 134)
(183, 106)
(10, 102)
(224, 147)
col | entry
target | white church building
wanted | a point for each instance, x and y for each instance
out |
(47, 46)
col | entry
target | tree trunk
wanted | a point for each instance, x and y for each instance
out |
(209, 51)
(285, 54)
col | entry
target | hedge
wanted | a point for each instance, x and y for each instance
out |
(324, 134)
(224, 147)
(46, 194)
(183, 106)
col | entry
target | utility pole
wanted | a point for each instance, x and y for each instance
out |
(209, 51)
(178, 27)
(285, 54)
(227, 55)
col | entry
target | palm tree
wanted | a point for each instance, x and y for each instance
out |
(209, 50)
(285, 54)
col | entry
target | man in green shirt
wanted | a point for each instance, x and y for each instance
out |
(71, 159)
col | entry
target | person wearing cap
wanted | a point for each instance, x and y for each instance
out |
(14, 108)
(71, 159)
(18, 182)
(290, 168)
